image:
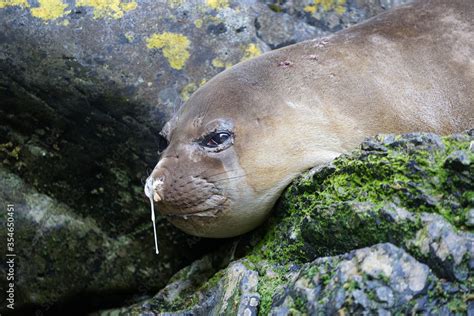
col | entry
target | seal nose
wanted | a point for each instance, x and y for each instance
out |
(154, 185)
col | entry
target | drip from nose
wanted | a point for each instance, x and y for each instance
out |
(151, 193)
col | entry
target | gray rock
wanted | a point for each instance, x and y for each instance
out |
(385, 294)
(458, 159)
(449, 251)
(470, 218)
(470, 308)
(404, 279)
(281, 29)
(232, 291)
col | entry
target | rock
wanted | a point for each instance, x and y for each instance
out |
(331, 15)
(231, 291)
(459, 159)
(385, 294)
(470, 218)
(448, 251)
(281, 29)
(342, 283)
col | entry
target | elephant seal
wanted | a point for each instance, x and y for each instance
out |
(242, 137)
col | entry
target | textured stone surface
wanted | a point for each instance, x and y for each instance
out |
(231, 291)
(375, 280)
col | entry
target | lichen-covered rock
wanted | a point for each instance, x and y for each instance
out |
(381, 279)
(331, 15)
(388, 226)
(85, 86)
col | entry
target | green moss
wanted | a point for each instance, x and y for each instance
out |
(417, 180)
(351, 285)
(270, 280)
(457, 306)
(299, 303)
(212, 282)
(341, 209)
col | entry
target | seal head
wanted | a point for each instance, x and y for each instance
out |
(216, 177)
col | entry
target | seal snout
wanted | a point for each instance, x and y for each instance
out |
(154, 186)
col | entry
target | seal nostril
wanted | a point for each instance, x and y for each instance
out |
(154, 186)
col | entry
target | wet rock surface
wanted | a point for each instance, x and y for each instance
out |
(380, 251)
(85, 86)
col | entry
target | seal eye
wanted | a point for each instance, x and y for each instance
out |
(215, 139)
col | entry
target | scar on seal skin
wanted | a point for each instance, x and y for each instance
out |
(242, 137)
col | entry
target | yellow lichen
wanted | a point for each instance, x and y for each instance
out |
(11, 3)
(218, 63)
(65, 23)
(49, 9)
(217, 4)
(187, 91)
(327, 5)
(310, 8)
(129, 36)
(198, 23)
(340, 9)
(251, 51)
(202, 82)
(108, 8)
(174, 47)
(339, 6)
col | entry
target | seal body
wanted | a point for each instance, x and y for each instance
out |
(241, 138)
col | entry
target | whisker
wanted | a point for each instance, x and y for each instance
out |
(210, 176)
(216, 174)
(230, 178)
